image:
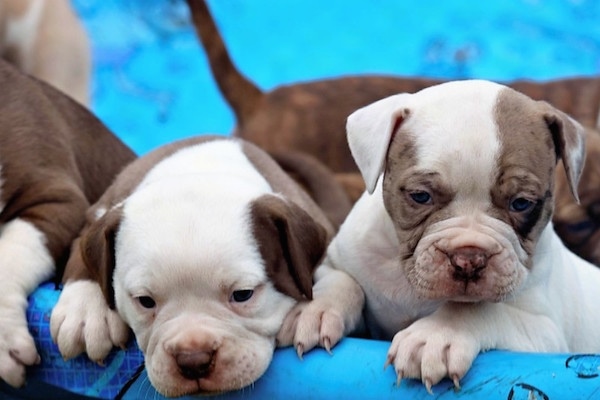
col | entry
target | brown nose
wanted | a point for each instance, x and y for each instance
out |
(194, 365)
(468, 262)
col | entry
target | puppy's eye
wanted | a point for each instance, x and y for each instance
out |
(240, 296)
(521, 204)
(421, 197)
(146, 302)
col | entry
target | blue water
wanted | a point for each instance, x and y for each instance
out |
(152, 84)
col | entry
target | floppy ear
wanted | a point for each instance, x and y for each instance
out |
(97, 248)
(569, 141)
(291, 243)
(370, 131)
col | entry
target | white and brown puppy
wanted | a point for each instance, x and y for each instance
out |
(56, 159)
(453, 243)
(47, 40)
(204, 245)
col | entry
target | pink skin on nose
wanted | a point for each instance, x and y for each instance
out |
(468, 262)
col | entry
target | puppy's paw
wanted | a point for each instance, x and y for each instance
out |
(81, 322)
(431, 350)
(17, 348)
(311, 324)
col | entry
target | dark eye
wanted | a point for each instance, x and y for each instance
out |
(521, 204)
(240, 296)
(421, 197)
(146, 302)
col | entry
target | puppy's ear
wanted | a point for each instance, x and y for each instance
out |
(370, 131)
(98, 251)
(291, 243)
(569, 141)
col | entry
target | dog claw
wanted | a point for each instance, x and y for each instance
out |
(300, 350)
(456, 382)
(399, 377)
(428, 386)
(327, 345)
(388, 362)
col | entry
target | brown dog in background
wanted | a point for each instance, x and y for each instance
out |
(47, 40)
(310, 117)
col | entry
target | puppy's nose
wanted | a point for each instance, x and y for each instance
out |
(194, 365)
(468, 262)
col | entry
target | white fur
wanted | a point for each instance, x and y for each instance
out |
(86, 325)
(550, 307)
(185, 240)
(26, 263)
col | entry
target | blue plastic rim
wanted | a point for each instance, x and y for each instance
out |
(354, 371)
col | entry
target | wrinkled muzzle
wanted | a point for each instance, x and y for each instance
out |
(468, 260)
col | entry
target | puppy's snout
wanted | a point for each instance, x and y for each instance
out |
(195, 365)
(468, 263)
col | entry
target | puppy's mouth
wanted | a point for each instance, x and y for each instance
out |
(464, 274)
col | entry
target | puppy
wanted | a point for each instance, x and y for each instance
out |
(201, 247)
(310, 116)
(56, 159)
(453, 244)
(46, 39)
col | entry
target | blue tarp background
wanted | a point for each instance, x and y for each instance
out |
(152, 83)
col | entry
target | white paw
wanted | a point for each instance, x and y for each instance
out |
(81, 322)
(310, 324)
(431, 350)
(17, 348)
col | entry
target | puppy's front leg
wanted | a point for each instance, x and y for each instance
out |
(25, 264)
(445, 343)
(81, 320)
(47, 218)
(334, 311)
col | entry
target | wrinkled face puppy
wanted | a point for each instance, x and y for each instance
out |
(470, 192)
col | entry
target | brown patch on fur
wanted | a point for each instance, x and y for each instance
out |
(56, 158)
(282, 183)
(319, 182)
(527, 160)
(398, 180)
(97, 252)
(291, 244)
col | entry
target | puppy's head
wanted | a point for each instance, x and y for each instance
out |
(578, 223)
(467, 180)
(204, 282)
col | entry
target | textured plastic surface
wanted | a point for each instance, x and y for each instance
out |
(79, 375)
(355, 371)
